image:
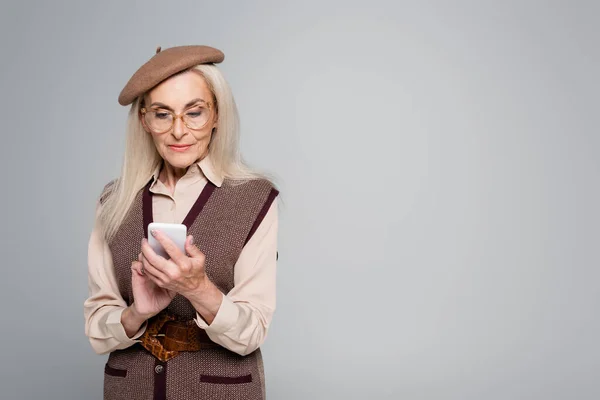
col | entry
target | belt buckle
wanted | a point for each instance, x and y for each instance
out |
(150, 339)
(180, 336)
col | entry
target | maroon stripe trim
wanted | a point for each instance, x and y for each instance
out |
(208, 190)
(114, 371)
(160, 381)
(226, 380)
(189, 219)
(261, 215)
(147, 207)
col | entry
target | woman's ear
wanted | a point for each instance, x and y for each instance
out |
(140, 115)
(216, 115)
(215, 123)
(143, 122)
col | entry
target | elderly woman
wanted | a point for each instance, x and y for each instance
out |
(189, 325)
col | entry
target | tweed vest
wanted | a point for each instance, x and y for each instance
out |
(222, 220)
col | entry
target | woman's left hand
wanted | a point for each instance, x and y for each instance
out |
(182, 273)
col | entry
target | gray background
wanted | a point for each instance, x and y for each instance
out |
(438, 164)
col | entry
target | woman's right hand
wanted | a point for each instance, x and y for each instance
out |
(149, 299)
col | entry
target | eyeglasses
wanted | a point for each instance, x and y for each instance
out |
(160, 120)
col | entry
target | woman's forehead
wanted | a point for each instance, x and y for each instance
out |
(180, 89)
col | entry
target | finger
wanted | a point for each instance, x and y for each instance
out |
(154, 272)
(150, 255)
(136, 267)
(154, 279)
(192, 250)
(140, 261)
(170, 247)
(157, 263)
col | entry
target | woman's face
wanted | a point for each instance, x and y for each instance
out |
(186, 94)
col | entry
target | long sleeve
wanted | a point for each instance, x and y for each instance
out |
(243, 319)
(103, 307)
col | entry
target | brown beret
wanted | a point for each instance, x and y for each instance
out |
(165, 64)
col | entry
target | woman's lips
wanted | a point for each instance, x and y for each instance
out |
(180, 148)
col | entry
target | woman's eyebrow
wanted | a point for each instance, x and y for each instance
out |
(189, 104)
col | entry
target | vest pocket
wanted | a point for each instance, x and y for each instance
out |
(114, 371)
(226, 380)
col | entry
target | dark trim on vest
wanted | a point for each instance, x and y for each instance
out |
(160, 380)
(208, 190)
(226, 380)
(147, 207)
(261, 215)
(189, 219)
(108, 370)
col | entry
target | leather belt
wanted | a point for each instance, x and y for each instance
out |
(166, 335)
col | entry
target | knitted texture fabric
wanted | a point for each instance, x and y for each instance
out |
(220, 231)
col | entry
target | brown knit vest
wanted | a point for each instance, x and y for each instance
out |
(222, 220)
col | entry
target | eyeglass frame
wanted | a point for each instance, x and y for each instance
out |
(175, 116)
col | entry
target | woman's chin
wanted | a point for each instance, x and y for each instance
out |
(180, 160)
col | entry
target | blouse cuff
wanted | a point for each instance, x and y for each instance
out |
(225, 319)
(114, 325)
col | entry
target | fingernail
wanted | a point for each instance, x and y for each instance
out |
(153, 232)
(191, 239)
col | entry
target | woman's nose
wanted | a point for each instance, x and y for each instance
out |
(178, 128)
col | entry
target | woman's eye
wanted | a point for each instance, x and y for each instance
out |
(194, 114)
(161, 115)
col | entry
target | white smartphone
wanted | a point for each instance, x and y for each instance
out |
(176, 232)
